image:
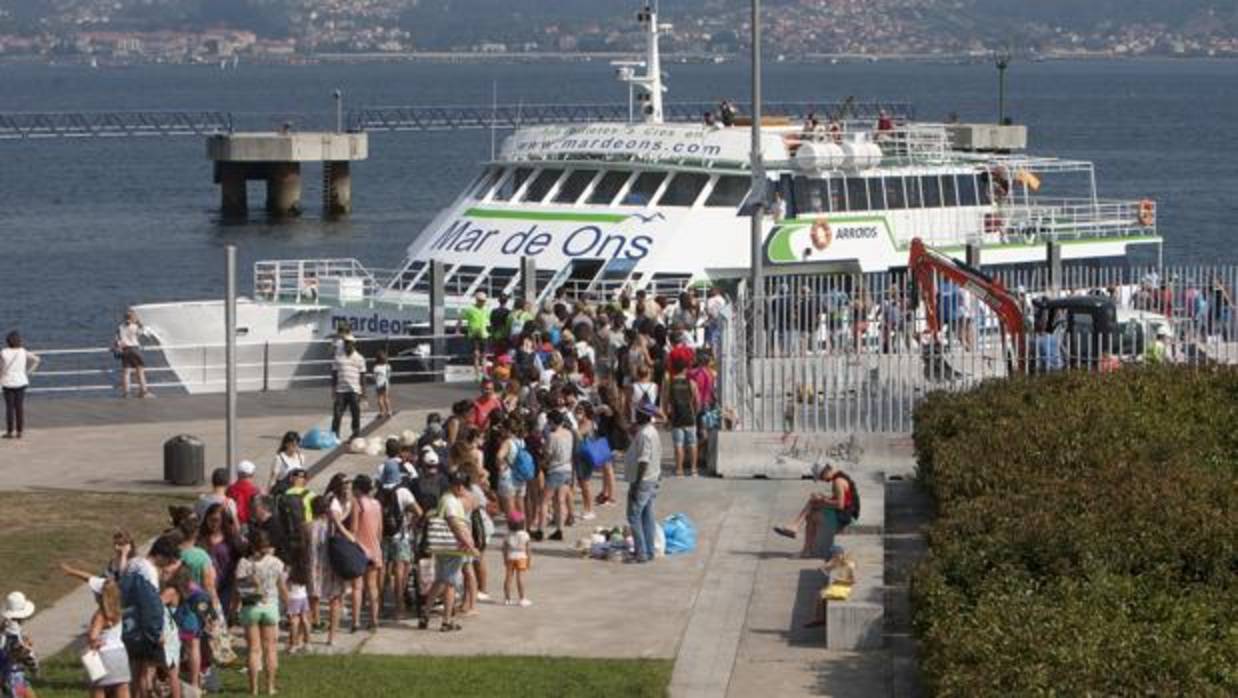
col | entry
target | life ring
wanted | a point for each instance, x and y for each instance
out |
(821, 235)
(1147, 213)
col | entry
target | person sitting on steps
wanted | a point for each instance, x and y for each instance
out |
(827, 506)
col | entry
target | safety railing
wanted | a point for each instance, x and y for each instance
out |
(309, 280)
(1042, 220)
(261, 366)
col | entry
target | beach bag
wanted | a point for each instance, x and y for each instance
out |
(680, 534)
(348, 560)
(220, 644)
(524, 469)
(319, 440)
(439, 537)
(596, 452)
(711, 419)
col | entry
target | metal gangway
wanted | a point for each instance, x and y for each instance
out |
(180, 122)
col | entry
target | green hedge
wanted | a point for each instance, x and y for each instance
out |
(1086, 538)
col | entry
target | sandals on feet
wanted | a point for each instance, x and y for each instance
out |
(784, 532)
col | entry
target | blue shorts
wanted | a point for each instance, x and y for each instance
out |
(683, 436)
(449, 569)
(508, 487)
(560, 477)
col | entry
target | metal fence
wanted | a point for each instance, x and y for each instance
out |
(261, 366)
(851, 353)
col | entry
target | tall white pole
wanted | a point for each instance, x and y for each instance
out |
(230, 359)
(757, 197)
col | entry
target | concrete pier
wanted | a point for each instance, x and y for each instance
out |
(276, 157)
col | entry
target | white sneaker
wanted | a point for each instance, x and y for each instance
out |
(483, 596)
(525, 603)
(508, 602)
(588, 516)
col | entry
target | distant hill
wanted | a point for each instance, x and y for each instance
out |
(796, 26)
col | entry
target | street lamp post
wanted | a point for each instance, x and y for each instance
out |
(1002, 59)
(757, 197)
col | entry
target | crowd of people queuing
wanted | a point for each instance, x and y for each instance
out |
(570, 392)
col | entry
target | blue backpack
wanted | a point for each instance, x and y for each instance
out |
(523, 469)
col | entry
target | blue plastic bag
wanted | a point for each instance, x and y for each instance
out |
(596, 452)
(319, 440)
(680, 534)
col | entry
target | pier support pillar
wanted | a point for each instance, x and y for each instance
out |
(528, 279)
(973, 255)
(336, 188)
(233, 193)
(284, 189)
(1053, 261)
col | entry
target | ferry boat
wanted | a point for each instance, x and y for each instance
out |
(647, 204)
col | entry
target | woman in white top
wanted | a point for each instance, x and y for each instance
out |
(288, 457)
(129, 350)
(16, 365)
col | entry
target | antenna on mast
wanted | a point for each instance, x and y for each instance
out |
(649, 84)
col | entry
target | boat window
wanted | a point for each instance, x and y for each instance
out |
(983, 195)
(608, 187)
(857, 194)
(876, 200)
(684, 189)
(542, 185)
(895, 198)
(511, 184)
(462, 277)
(913, 192)
(729, 191)
(486, 182)
(948, 197)
(967, 190)
(643, 189)
(574, 186)
(931, 188)
(812, 195)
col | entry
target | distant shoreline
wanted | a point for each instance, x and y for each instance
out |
(528, 57)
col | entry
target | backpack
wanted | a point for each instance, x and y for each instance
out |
(393, 517)
(523, 469)
(290, 510)
(851, 508)
(682, 414)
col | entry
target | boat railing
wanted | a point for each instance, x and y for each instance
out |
(311, 280)
(907, 142)
(1045, 220)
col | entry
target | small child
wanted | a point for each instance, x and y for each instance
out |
(382, 381)
(517, 558)
(168, 673)
(18, 662)
(104, 637)
(298, 617)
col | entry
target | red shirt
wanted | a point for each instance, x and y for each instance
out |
(482, 407)
(242, 492)
(681, 355)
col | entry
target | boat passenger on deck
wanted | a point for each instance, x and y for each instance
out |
(711, 122)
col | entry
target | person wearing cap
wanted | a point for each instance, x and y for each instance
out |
(819, 516)
(449, 566)
(474, 322)
(399, 506)
(431, 480)
(242, 492)
(643, 471)
(139, 591)
(347, 387)
(433, 433)
(20, 663)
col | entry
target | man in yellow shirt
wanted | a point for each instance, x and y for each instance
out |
(475, 323)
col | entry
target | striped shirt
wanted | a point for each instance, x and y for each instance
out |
(348, 372)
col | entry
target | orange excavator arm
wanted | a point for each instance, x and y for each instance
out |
(925, 264)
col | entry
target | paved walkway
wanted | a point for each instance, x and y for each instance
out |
(730, 614)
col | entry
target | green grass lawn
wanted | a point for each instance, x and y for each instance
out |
(374, 676)
(44, 528)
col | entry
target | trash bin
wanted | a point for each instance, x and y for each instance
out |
(184, 460)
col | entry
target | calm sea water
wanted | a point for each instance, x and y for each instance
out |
(90, 226)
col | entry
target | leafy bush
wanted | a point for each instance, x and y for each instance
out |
(1086, 540)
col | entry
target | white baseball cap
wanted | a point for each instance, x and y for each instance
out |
(246, 468)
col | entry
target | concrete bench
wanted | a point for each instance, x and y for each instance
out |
(857, 623)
